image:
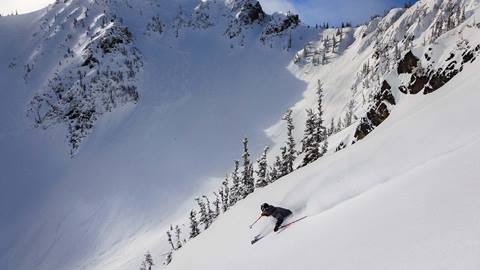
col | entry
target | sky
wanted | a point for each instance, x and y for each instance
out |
(311, 11)
(333, 12)
(22, 6)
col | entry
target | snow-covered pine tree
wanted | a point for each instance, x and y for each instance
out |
(324, 148)
(216, 205)
(339, 125)
(178, 237)
(168, 260)
(169, 237)
(149, 260)
(262, 174)
(325, 44)
(222, 199)
(290, 153)
(210, 212)
(226, 195)
(204, 215)
(324, 57)
(272, 174)
(321, 131)
(282, 169)
(248, 183)
(310, 143)
(194, 230)
(236, 191)
(275, 169)
(334, 43)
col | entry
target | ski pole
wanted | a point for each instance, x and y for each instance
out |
(256, 221)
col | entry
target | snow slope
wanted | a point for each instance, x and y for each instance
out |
(403, 198)
(202, 64)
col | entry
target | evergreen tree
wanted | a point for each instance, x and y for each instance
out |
(168, 260)
(178, 237)
(276, 171)
(248, 184)
(310, 142)
(339, 33)
(283, 166)
(194, 230)
(169, 237)
(325, 44)
(273, 172)
(321, 132)
(216, 204)
(143, 266)
(334, 43)
(204, 215)
(210, 213)
(149, 260)
(324, 148)
(262, 175)
(324, 57)
(226, 194)
(339, 125)
(236, 191)
(290, 145)
(222, 199)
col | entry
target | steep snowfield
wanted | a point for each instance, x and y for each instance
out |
(403, 198)
(199, 93)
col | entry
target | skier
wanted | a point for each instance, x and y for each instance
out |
(277, 212)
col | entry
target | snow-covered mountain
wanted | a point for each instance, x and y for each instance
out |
(115, 113)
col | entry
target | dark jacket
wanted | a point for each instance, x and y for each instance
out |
(277, 212)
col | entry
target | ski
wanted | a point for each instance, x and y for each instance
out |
(257, 238)
(283, 227)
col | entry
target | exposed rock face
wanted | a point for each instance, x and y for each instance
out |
(429, 78)
(245, 13)
(251, 12)
(290, 21)
(408, 63)
(377, 113)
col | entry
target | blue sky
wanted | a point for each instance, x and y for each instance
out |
(311, 11)
(333, 12)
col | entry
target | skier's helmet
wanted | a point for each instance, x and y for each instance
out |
(264, 207)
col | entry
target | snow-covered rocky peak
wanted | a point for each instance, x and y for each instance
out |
(100, 64)
(434, 33)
